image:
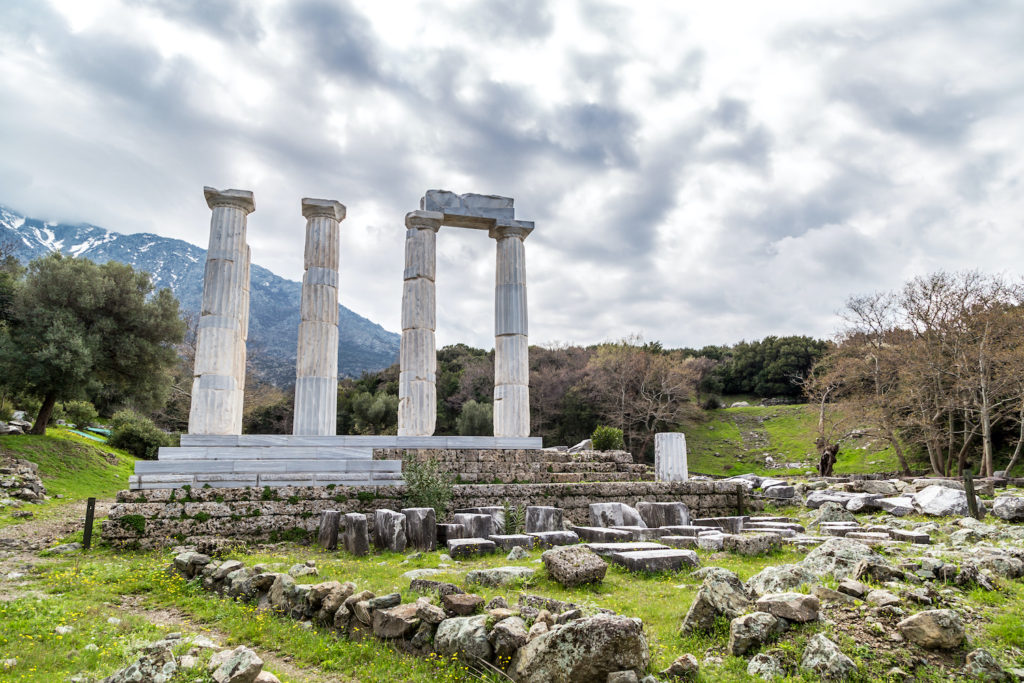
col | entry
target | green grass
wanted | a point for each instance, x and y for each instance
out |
(69, 465)
(734, 441)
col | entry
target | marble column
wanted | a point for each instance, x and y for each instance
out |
(511, 349)
(219, 375)
(316, 381)
(670, 456)
(417, 393)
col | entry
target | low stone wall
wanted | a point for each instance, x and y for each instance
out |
(160, 517)
(526, 466)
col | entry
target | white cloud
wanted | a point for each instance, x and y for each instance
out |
(700, 172)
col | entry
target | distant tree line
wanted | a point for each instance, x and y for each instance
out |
(639, 387)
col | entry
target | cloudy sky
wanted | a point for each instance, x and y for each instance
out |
(699, 172)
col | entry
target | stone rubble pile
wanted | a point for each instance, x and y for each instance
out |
(20, 483)
(563, 643)
(158, 663)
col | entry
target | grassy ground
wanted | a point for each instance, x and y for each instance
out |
(83, 591)
(737, 440)
(71, 466)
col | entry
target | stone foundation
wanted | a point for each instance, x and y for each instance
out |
(526, 465)
(160, 517)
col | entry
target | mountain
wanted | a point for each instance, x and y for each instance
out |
(273, 305)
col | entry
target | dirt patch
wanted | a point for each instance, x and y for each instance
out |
(279, 662)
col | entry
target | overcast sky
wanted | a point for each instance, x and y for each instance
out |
(699, 172)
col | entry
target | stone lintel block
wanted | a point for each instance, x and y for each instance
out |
(236, 199)
(421, 527)
(327, 208)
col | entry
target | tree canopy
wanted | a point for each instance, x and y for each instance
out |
(76, 329)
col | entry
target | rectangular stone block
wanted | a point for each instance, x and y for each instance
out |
(468, 547)
(509, 541)
(609, 548)
(543, 518)
(653, 561)
(670, 457)
(550, 539)
(601, 534)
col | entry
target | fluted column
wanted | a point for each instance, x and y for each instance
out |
(417, 393)
(219, 375)
(511, 349)
(316, 381)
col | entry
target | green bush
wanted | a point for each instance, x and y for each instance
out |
(426, 485)
(80, 413)
(137, 434)
(476, 419)
(607, 438)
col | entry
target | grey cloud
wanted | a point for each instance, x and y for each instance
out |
(335, 36)
(509, 19)
(233, 19)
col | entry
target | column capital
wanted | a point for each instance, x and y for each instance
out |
(326, 208)
(424, 220)
(511, 228)
(236, 199)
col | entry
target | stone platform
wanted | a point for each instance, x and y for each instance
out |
(284, 460)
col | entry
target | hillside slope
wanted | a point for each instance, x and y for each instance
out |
(739, 440)
(274, 303)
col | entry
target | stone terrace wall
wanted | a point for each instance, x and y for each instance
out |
(160, 517)
(527, 466)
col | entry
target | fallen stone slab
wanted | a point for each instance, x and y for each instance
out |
(543, 518)
(781, 531)
(779, 492)
(598, 534)
(639, 533)
(467, 547)
(815, 499)
(942, 501)
(853, 588)
(664, 514)
(509, 541)
(712, 542)
(603, 549)
(773, 525)
(614, 514)
(869, 537)
(918, 537)
(752, 544)
(461, 604)
(653, 561)
(550, 539)
(396, 622)
(732, 525)
(680, 541)
(898, 506)
(439, 587)
(684, 530)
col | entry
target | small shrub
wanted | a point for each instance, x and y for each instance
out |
(80, 413)
(201, 517)
(608, 439)
(711, 403)
(426, 485)
(365, 496)
(137, 434)
(515, 518)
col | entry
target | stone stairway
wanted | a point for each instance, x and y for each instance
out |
(281, 460)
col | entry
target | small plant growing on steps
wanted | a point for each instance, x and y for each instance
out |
(426, 485)
(515, 518)
(607, 438)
